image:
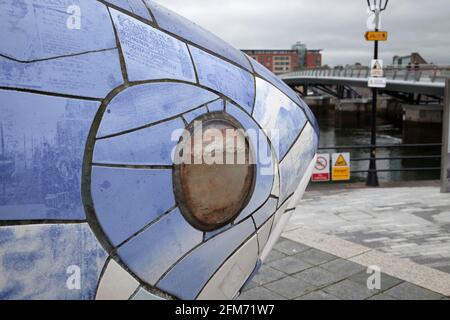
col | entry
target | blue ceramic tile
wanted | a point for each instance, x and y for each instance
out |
(39, 29)
(126, 200)
(281, 118)
(265, 212)
(217, 105)
(191, 116)
(211, 234)
(34, 261)
(274, 80)
(135, 6)
(153, 252)
(149, 146)
(217, 74)
(188, 277)
(151, 54)
(188, 30)
(310, 115)
(143, 294)
(44, 143)
(88, 75)
(264, 161)
(148, 103)
(297, 161)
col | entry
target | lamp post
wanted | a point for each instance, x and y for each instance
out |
(376, 6)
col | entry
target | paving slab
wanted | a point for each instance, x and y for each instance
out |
(408, 291)
(290, 265)
(386, 281)
(319, 277)
(267, 274)
(290, 287)
(342, 267)
(350, 290)
(289, 247)
(317, 295)
(275, 255)
(315, 257)
(260, 293)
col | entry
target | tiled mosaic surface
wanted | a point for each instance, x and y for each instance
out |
(294, 271)
(88, 125)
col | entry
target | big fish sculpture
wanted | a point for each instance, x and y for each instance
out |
(141, 156)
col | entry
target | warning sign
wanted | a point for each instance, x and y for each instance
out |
(321, 171)
(341, 166)
(376, 69)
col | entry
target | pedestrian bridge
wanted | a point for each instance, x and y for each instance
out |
(419, 79)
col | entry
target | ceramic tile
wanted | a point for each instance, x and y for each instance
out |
(265, 212)
(143, 294)
(300, 191)
(91, 75)
(217, 105)
(203, 262)
(126, 200)
(44, 139)
(38, 262)
(226, 283)
(150, 146)
(281, 119)
(39, 29)
(145, 104)
(138, 7)
(151, 54)
(264, 234)
(188, 30)
(116, 283)
(191, 116)
(277, 228)
(297, 161)
(274, 80)
(154, 251)
(224, 77)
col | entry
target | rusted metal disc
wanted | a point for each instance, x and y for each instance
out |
(215, 174)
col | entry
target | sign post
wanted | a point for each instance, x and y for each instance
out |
(321, 171)
(372, 178)
(445, 172)
(341, 166)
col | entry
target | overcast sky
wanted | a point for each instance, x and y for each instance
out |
(336, 26)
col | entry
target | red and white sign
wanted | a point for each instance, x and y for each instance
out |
(321, 171)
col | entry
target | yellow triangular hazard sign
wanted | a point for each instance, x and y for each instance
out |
(340, 162)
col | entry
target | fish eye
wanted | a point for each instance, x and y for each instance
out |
(215, 178)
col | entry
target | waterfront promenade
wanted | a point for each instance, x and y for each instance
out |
(339, 230)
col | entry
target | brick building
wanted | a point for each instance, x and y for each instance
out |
(283, 61)
(278, 61)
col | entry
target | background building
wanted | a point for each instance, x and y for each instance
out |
(277, 61)
(283, 61)
(413, 58)
(313, 59)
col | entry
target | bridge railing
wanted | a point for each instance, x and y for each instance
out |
(415, 73)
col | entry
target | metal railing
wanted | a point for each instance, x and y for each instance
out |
(394, 146)
(415, 73)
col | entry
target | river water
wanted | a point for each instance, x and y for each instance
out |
(349, 129)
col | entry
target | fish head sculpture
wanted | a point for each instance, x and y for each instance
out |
(142, 157)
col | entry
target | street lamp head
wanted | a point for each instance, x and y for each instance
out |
(377, 5)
